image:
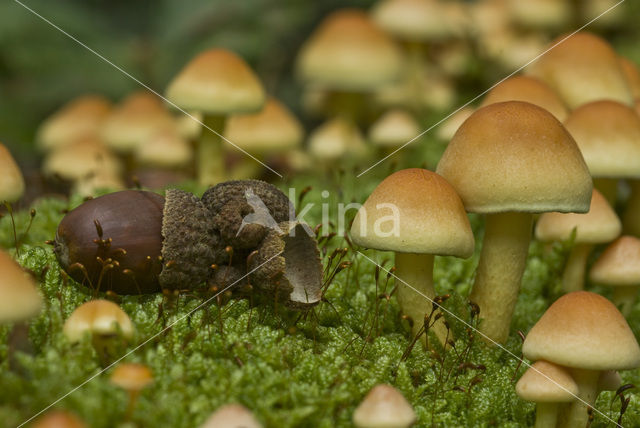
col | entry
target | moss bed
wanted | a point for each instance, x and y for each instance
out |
(290, 369)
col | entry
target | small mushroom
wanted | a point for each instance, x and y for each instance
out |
(19, 297)
(133, 378)
(11, 180)
(232, 416)
(58, 419)
(547, 385)
(619, 267)
(384, 407)
(393, 129)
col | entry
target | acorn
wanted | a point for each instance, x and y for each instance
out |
(135, 242)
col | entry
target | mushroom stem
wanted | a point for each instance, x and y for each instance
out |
(546, 415)
(608, 187)
(574, 270)
(416, 274)
(210, 159)
(576, 414)
(631, 218)
(502, 263)
(131, 405)
(624, 298)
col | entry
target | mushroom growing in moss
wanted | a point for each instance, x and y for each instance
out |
(11, 180)
(384, 407)
(232, 416)
(133, 378)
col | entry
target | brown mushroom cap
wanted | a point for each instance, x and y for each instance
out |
(515, 156)
(232, 416)
(608, 135)
(347, 51)
(165, 148)
(531, 90)
(619, 264)
(11, 180)
(395, 128)
(81, 159)
(581, 69)
(274, 128)
(545, 382)
(131, 376)
(58, 419)
(98, 317)
(632, 74)
(336, 138)
(384, 406)
(599, 225)
(431, 218)
(19, 297)
(217, 82)
(583, 330)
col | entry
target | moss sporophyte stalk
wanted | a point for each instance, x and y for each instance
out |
(290, 368)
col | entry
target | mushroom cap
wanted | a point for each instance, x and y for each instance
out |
(384, 407)
(81, 159)
(131, 376)
(581, 69)
(415, 20)
(165, 148)
(515, 156)
(632, 74)
(134, 121)
(427, 211)
(11, 179)
(335, 138)
(394, 128)
(232, 416)
(99, 180)
(531, 90)
(347, 51)
(545, 382)
(20, 298)
(272, 129)
(58, 419)
(619, 263)
(79, 118)
(217, 82)
(599, 225)
(448, 128)
(98, 317)
(583, 330)
(540, 14)
(608, 135)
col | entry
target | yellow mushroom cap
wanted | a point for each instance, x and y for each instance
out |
(19, 297)
(217, 82)
(632, 73)
(608, 135)
(11, 179)
(79, 118)
(383, 407)
(619, 264)
(81, 160)
(540, 14)
(98, 180)
(429, 214)
(131, 376)
(165, 148)
(98, 317)
(394, 128)
(515, 156)
(347, 51)
(601, 224)
(232, 416)
(419, 20)
(272, 129)
(545, 382)
(58, 419)
(531, 90)
(583, 330)
(335, 138)
(135, 120)
(581, 69)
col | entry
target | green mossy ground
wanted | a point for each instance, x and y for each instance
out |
(290, 372)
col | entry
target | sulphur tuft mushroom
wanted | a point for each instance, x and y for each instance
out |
(20, 298)
(384, 407)
(509, 160)
(133, 378)
(416, 214)
(11, 180)
(232, 416)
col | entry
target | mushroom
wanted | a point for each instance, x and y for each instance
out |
(232, 416)
(448, 128)
(424, 217)
(619, 267)
(509, 160)
(393, 129)
(608, 135)
(547, 385)
(540, 15)
(528, 89)
(20, 299)
(632, 74)
(336, 139)
(11, 180)
(80, 118)
(587, 334)
(600, 225)
(58, 419)
(133, 378)
(384, 407)
(217, 83)
(164, 158)
(582, 68)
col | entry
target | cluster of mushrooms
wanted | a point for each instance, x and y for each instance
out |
(550, 152)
